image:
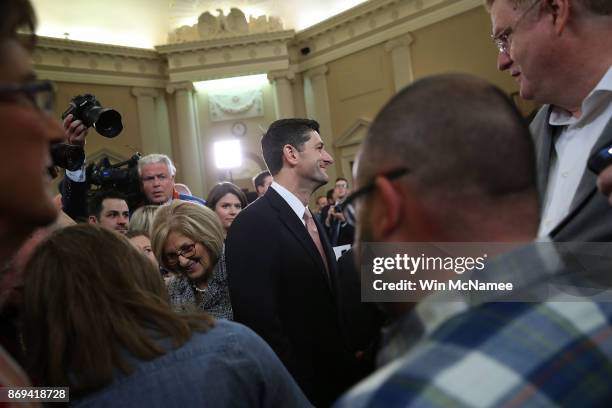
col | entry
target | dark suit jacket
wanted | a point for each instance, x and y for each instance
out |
(590, 216)
(280, 289)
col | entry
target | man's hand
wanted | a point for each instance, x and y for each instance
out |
(338, 215)
(75, 131)
(604, 182)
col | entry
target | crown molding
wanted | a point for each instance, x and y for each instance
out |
(370, 24)
(77, 61)
(94, 48)
(237, 41)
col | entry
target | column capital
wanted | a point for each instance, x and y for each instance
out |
(315, 72)
(403, 41)
(287, 74)
(180, 86)
(151, 92)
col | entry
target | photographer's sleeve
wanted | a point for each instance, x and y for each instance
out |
(74, 197)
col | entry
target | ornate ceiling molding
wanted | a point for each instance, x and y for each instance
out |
(77, 61)
(243, 55)
(368, 24)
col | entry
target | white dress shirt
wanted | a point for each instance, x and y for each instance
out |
(291, 199)
(572, 149)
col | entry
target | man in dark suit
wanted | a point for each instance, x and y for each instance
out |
(284, 286)
(560, 52)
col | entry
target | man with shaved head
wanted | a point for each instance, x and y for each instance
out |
(450, 160)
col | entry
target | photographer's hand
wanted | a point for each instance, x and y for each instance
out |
(75, 131)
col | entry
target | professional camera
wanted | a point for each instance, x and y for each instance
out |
(121, 176)
(88, 110)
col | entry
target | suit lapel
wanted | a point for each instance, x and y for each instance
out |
(288, 217)
(587, 186)
(543, 134)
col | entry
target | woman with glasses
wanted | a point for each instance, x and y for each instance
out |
(97, 320)
(187, 239)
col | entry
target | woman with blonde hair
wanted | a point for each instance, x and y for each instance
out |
(97, 320)
(188, 239)
(142, 218)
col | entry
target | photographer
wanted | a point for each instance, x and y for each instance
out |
(339, 232)
(73, 187)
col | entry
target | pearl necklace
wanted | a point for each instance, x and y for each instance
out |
(198, 289)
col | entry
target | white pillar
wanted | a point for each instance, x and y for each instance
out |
(190, 163)
(145, 99)
(401, 60)
(163, 126)
(317, 108)
(283, 101)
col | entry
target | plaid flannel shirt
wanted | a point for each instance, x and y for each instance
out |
(552, 353)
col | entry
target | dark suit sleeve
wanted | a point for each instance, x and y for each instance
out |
(74, 198)
(252, 252)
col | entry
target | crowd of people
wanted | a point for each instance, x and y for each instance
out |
(179, 300)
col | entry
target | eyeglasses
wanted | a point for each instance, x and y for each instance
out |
(41, 94)
(186, 251)
(503, 40)
(348, 206)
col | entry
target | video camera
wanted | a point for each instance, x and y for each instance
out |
(88, 110)
(121, 176)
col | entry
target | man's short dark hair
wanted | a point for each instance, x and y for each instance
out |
(259, 179)
(342, 179)
(17, 15)
(94, 203)
(294, 132)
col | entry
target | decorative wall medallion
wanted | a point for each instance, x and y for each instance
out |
(234, 104)
(202, 59)
(66, 61)
(277, 51)
(118, 66)
(252, 53)
(93, 63)
(227, 56)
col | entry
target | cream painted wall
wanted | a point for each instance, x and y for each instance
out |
(358, 86)
(459, 44)
(361, 83)
(116, 97)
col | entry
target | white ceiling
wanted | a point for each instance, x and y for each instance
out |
(146, 23)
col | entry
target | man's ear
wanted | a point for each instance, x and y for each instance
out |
(386, 208)
(290, 154)
(560, 10)
(92, 219)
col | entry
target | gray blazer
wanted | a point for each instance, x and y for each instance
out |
(590, 216)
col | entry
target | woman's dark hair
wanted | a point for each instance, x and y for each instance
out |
(90, 299)
(220, 190)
